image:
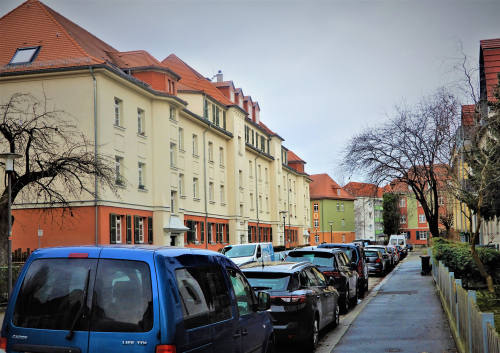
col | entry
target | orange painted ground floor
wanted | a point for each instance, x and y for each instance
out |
(332, 237)
(417, 236)
(131, 226)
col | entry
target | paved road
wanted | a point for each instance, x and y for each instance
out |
(405, 316)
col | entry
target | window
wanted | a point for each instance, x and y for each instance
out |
(267, 204)
(343, 208)
(173, 114)
(221, 156)
(403, 219)
(338, 192)
(260, 203)
(140, 122)
(247, 134)
(338, 207)
(116, 224)
(195, 188)
(222, 198)
(25, 55)
(118, 170)
(402, 202)
(224, 119)
(210, 152)
(142, 181)
(240, 178)
(118, 112)
(172, 203)
(422, 235)
(370, 227)
(263, 143)
(195, 145)
(343, 223)
(421, 218)
(316, 207)
(181, 184)
(172, 154)
(141, 229)
(243, 293)
(441, 200)
(181, 139)
(205, 109)
(316, 223)
(266, 175)
(211, 192)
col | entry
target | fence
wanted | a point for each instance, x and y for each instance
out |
(474, 331)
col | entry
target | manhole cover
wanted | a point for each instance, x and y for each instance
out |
(407, 292)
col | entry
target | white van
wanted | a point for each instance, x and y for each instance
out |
(245, 253)
(398, 240)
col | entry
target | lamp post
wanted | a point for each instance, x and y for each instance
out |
(331, 231)
(9, 168)
(316, 240)
(284, 225)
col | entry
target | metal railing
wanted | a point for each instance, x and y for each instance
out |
(473, 329)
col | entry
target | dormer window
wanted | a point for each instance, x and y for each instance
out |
(25, 55)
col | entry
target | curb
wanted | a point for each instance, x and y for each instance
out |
(328, 344)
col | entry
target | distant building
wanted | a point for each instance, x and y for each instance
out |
(367, 209)
(332, 211)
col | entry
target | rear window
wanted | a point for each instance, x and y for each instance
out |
(317, 258)
(394, 241)
(351, 253)
(268, 280)
(52, 293)
(371, 253)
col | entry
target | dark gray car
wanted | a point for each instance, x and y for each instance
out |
(376, 262)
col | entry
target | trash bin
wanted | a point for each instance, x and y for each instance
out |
(426, 265)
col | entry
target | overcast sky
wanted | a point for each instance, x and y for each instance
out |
(319, 69)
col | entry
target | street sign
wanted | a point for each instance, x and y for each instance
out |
(40, 232)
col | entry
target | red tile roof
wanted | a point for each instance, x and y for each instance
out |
(130, 59)
(292, 157)
(468, 114)
(363, 189)
(490, 50)
(323, 186)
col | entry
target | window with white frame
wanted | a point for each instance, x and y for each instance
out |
(343, 209)
(343, 223)
(240, 179)
(119, 227)
(316, 238)
(403, 219)
(266, 175)
(118, 170)
(172, 154)
(441, 200)
(338, 192)
(211, 192)
(181, 184)
(118, 112)
(195, 188)
(421, 218)
(140, 122)
(210, 152)
(181, 139)
(195, 145)
(338, 207)
(316, 223)
(141, 174)
(173, 114)
(316, 207)
(141, 230)
(172, 203)
(402, 202)
(222, 196)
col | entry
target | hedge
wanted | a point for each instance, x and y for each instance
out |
(458, 258)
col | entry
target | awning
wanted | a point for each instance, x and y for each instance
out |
(175, 225)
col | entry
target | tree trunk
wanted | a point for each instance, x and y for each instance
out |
(4, 234)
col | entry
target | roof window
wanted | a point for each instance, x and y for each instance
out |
(25, 55)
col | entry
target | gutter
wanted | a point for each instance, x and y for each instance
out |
(257, 196)
(95, 154)
(205, 182)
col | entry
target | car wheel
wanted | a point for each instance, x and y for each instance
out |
(345, 302)
(270, 346)
(354, 300)
(312, 342)
(367, 284)
(336, 314)
(363, 288)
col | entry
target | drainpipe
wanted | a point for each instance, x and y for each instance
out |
(95, 152)
(257, 194)
(289, 210)
(205, 182)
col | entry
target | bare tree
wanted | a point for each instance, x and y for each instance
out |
(412, 147)
(59, 164)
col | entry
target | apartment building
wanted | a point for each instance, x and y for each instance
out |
(332, 211)
(368, 209)
(195, 165)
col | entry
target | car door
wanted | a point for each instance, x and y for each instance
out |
(252, 323)
(346, 268)
(328, 296)
(318, 291)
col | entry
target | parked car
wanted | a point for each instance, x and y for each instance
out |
(409, 247)
(303, 300)
(244, 253)
(140, 298)
(399, 239)
(388, 256)
(334, 264)
(394, 250)
(402, 251)
(376, 262)
(356, 255)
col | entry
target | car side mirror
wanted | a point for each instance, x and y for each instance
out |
(354, 267)
(331, 282)
(264, 301)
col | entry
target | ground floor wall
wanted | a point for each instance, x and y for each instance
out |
(417, 236)
(332, 237)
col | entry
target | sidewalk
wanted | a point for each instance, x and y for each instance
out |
(404, 316)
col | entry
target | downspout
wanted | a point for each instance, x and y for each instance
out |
(205, 181)
(257, 195)
(322, 220)
(288, 205)
(95, 153)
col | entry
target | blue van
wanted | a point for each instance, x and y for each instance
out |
(134, 299)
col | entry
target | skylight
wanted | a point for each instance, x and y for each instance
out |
(25, 55)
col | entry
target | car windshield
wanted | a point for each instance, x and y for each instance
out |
(239, 251)
(371, 253)
(401, 242)
(317, 258)
(382, 250)
(268, 280)
(394, 241)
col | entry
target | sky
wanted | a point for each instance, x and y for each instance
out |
(320, 70)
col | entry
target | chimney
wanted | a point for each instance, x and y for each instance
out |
(219, 76)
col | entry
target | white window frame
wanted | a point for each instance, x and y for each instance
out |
(342, 207)
(141, 230)
(181, 139)
(140, 122)
(172, 203)
(316, 207)
(421, 218)
(172, 155)
(210, 191)
(222, 196)
(195, 187)
(195, 145)
(118, 169)
(181, 184)
(343, 223)
(119, 229)
(440, 200)
(423, 235)
(173, 114)
(118, 112)
(141, 174)
(403, 219)
(316, 223)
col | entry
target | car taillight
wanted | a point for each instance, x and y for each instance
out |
(333, 274)
(78, 255)
(360, 268)
(378, 260)
(3, 343)
(165, 348)
(291, 299)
